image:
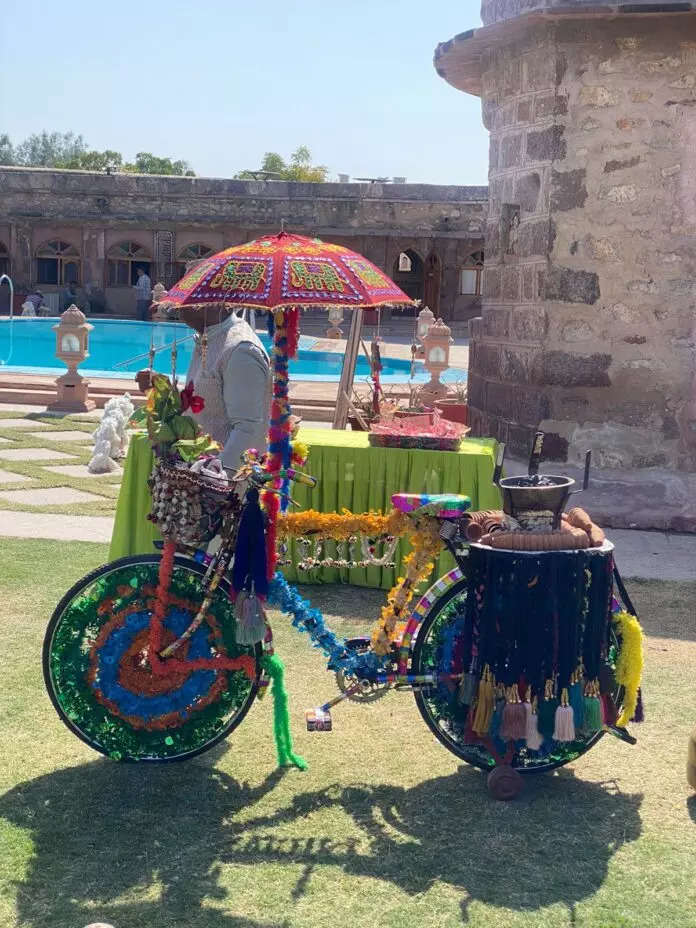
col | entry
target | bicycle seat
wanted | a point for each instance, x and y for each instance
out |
(440, 505)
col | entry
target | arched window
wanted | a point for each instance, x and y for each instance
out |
(470, 275)
(57, 263)
(191, 254)
(409, 274)
(4, 259)
(405, 264)
(123, 261)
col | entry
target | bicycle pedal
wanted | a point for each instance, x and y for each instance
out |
(318, 719)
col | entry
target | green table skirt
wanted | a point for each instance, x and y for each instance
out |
(351, 474)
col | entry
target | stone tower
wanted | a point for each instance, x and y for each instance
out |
(588, 323)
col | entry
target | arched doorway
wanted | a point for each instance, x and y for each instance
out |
(433, 279)
(409, 273)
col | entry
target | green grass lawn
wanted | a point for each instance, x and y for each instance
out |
(385, 828)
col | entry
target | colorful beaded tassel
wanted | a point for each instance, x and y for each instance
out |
(485, 703)
(514, 726)
(564, 725)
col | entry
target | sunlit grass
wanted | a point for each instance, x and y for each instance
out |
(385, 828)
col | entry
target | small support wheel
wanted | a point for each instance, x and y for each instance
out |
(504, 783)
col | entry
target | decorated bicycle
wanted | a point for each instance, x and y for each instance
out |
(520, 658)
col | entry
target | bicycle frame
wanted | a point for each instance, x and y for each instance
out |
(390, 669)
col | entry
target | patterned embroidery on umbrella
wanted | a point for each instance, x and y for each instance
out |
(365, 272)
(315, 275)
(192, 278)
(261, 243)
(248, 276)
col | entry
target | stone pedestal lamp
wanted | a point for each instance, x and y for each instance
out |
(436, 346)
(72, 347)
(590, 253)
(425, 320)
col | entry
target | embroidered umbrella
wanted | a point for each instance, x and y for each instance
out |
(285, 273)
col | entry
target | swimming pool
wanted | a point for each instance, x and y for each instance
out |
(114, 342)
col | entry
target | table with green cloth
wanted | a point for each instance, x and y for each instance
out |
(351, 475)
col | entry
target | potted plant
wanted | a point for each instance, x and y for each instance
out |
(415, 406)
(454, 406)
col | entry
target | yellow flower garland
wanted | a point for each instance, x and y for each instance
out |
(422, 533)
(629, 664)
(341, 525)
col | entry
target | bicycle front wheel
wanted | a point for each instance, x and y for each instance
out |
(98, 677)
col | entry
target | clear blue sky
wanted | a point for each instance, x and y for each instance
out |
(219, 82)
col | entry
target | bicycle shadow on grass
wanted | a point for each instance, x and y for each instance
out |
(103, 832)
(552, 845)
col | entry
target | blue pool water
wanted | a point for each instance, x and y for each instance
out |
(114, 342)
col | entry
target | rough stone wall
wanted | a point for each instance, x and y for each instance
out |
(590, 286)
(94, 211)
(496, 11)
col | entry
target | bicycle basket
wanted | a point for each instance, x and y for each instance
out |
(188, 507)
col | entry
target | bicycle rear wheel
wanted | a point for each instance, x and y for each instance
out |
(438, 636)
(98, 678)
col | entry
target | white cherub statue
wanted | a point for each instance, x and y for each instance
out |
(111, 435)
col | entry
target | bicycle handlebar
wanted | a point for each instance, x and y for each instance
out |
(288, 473)
(260, 476)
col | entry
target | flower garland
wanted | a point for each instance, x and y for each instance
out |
(629, 663)
(427, 544)
(278, 433)
(341, 526)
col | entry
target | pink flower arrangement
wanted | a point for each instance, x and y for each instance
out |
(427, 431)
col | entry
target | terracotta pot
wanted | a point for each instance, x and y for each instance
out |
(453, 411)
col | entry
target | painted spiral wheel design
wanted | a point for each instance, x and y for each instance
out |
(99, 679)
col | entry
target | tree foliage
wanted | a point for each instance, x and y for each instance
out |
(67, 150)
(147, 163)
(299, 168)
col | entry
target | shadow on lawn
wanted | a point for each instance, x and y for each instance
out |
(102, 832)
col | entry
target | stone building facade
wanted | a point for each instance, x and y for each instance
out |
(97, 228)
(588, 317)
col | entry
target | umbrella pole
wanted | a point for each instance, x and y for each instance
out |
(345, 386)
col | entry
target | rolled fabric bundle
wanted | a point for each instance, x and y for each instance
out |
(580, 519)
